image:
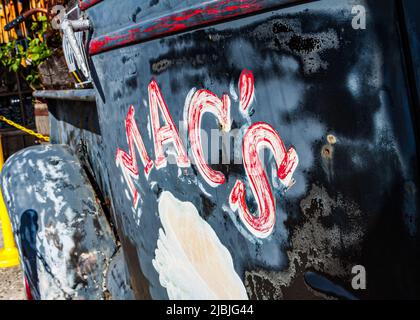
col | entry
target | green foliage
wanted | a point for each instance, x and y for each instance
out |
(9, 56)
(13, 55)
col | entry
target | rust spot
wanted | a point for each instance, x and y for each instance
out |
(98, 201)
(327, 151)
(331, 139)
(139, 282)
(161, 65)
(51, 234)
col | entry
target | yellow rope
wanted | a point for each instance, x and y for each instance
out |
(29, 131)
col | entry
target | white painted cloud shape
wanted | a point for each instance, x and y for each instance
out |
(191, 261)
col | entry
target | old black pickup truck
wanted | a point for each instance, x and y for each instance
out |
(244, 149)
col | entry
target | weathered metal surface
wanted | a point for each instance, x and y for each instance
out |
(196, 15)
(72, 95)
(410, 30)
(80, 129)
(335, 93)
(339, 185)
(85, 4)
(118, 279)
(63, 237)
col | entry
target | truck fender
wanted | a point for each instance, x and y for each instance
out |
(64, 239)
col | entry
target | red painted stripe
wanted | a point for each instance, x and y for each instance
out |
(28, 290)
(196, 16)
(84, 4)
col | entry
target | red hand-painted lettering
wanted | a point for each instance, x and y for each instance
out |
(128, 161)
(205, 101)
(164, 134)
(261, 135)
(246, 90)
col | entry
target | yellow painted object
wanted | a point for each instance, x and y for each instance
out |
(9, 256)
(9, 12)
(3, 22)
(27, 130)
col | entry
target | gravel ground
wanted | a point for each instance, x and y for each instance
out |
(11, 283)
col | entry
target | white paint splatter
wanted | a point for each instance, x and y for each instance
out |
(232, 91)
(203, 190)
(59, 286)
(191, 261)
(50, 173)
